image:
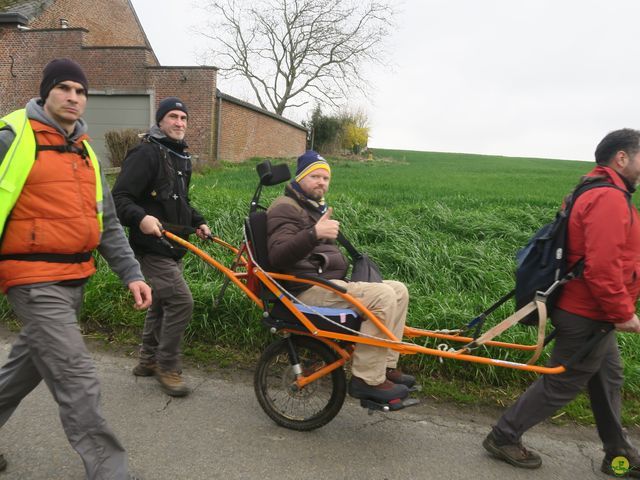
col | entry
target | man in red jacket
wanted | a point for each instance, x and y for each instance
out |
(604, 229)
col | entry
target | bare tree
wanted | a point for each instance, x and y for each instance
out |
(295, 51)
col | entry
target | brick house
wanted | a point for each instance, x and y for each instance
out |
(126, 81)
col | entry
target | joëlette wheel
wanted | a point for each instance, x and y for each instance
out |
(308, 408)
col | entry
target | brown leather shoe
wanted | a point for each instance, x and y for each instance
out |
(383, 393)
(513, 453)
(145, 369)
(172, 383)
(396, 375)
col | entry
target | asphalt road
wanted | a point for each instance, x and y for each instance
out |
(220, 432)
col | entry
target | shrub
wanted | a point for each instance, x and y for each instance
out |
(325, 132)
(332, 134)
(119, 142)
(354, 138)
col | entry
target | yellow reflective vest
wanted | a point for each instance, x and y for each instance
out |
(18, 161)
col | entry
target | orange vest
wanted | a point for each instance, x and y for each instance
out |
(55, 215)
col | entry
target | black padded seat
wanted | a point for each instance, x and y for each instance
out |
(279, 316)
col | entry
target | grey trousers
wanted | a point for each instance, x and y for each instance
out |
(169, 314)
(600, 373)
(50, 347)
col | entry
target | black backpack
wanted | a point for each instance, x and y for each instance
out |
(541, 266)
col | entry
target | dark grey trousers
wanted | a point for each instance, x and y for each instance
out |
(600, 372)
(50, 347)
(169, 313)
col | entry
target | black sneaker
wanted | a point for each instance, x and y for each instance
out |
(3, 463)
(395, 375)
(622, 465)
(383, 393)
(513, 453)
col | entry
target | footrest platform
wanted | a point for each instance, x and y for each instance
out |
(392, 406)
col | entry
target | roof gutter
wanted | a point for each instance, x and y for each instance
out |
(13, 17)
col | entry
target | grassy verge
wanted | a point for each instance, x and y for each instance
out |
(448, 225)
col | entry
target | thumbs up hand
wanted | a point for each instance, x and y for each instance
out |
(327, 229)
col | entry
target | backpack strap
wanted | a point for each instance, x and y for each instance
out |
(578, 267)
(353, 252)
(67, 148)
(49, 257)
(586, 186)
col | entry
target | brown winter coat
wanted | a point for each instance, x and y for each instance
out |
(292, 243)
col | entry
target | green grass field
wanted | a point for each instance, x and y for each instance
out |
(448, 225)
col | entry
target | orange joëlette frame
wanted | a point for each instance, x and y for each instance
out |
(242, 279)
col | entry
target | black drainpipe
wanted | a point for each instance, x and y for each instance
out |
(218, 125)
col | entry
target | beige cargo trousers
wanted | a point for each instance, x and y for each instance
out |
(389, 302)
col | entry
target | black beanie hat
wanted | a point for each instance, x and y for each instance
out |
(168, 104)
(59, 70)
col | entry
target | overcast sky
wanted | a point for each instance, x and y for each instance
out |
(539, 78)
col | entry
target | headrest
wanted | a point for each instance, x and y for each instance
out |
(272, 174)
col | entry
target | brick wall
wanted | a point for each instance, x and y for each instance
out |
(106, 38)
(121, 28)
(93, 23)
(246, 132)
(23, 55)
(196, 87)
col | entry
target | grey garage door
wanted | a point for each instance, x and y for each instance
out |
(115, 112)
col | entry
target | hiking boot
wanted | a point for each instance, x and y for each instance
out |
(513, 453)
(383, 393)
(624, 464)
(145, 368)
(172, 383)
(395, 375)
(3, 463)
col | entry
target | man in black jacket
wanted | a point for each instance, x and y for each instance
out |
(151, 193)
